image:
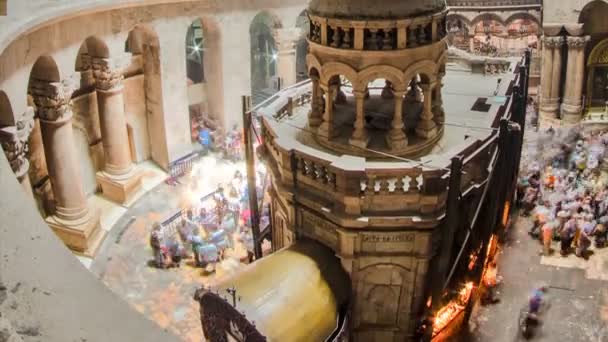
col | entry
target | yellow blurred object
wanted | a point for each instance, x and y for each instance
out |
(294, 294)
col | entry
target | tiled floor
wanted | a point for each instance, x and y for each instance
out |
(164, 296)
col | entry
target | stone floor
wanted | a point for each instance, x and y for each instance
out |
(578, 293)
(164, 296)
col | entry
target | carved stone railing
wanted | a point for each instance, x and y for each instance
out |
(374, 35)
(492, 3)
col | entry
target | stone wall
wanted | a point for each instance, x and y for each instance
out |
(229, 74)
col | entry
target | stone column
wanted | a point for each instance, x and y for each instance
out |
(547, 105)
(396, 138)
(119, 180)
(438, 112)
(72, 220)
(572, 106)
(556, 74)
(286, 40)
(426, 126)
(325, 130)
(15, 143)
(316, 110)
(359, 137)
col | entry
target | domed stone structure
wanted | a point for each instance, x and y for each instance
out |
(377, 71)
(365, 9)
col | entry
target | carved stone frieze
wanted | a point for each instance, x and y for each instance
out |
(553, 42)
(15, 142)
(52, 99)
(108, 71)
(577, 42)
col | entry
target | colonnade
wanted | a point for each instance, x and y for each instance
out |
(321, 117)
(569, 108)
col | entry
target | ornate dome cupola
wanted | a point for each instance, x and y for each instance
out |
(376, 68)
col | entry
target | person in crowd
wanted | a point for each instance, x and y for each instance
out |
(155, 243)
(567, 235)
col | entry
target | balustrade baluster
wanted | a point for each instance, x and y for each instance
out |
(413, 185)
(384, 187)
(399, 184)
(421, 35)
(370, 185)
(371, 43)
(347, 40)
(411, 38)
(387, 40)
(336, 37)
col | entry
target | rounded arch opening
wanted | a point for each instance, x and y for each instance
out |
(593, 16)
(264, 55)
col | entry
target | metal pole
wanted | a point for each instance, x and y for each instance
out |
(250, 161)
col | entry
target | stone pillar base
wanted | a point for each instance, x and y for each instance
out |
(396, 140)
(83, 236)
(359, 141)
(426, 129)
(122, 189)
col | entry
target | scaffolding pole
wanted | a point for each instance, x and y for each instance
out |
(251, 177)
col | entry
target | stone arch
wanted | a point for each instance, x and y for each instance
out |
(45, 69)
(593, 17)
(313, 62)
(264, 54)
(459, 17)
(487, 16)
(441, 62)
(390, 73)
(522, 15)
(423, 68)
(332, 69)
(6, 110)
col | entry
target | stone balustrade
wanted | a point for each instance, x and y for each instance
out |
(377, 35)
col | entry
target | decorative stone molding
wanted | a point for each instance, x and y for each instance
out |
(15, 142)
(52, 99)
(553, 42)
(577, 42)
(108, 71)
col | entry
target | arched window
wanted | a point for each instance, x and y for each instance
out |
(195, 51)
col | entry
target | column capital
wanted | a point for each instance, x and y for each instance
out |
(86, 62)
(577, 42)
(15, 142)
(108, 71)
(553, 42)
(52, 99)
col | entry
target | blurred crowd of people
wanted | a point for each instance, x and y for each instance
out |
(562, 186)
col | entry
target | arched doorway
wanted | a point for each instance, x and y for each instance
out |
(593, 18)
(264, 54)
(303, 23)
(597, 84)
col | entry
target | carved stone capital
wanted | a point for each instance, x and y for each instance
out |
(86, 62)
(577, 42)
(553, 42)
(52, 99)
(108, 72)
(15, 142)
